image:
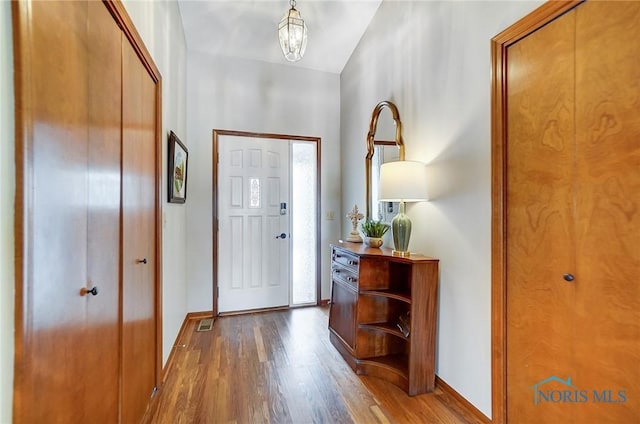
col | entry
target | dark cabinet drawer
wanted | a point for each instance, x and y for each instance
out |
(344, 275)
(347, 260)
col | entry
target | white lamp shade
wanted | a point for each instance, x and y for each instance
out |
(403, 180)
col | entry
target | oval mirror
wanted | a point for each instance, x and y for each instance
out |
(384, 144)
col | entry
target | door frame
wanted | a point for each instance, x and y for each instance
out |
(499, 91)
(285, 137)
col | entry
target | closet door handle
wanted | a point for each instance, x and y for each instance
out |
(142, 261)
(568, 277)
(93, 291)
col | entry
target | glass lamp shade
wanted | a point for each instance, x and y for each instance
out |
(402, 181)
(292, 32)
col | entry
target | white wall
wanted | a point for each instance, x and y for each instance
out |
(234, 94)
(160, 26)
(7, 187)
(432, 59)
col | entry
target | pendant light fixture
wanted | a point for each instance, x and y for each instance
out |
(292, 32)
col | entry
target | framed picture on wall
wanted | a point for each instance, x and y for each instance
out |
(177, 173)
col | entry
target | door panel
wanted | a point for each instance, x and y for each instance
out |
(607, 342)
(253, 179)
(540, 229)
(63, 129)
(573, 184)
(59, 231)
(102, 367)
(138, 237)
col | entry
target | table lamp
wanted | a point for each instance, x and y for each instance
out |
(402, 181)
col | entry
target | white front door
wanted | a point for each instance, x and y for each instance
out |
(253, 213)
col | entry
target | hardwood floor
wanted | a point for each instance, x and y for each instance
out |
(279, 367)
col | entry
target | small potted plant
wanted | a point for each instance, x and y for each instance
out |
(373, 232)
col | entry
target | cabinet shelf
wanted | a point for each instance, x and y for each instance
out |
(387, 327)
(389, 293)
(394, 363)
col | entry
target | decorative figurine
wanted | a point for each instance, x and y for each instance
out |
(354, 216)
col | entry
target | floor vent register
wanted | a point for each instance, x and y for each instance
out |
(205, 324)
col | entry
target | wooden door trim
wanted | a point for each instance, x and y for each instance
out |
(23, 199)
(120, 15)
(499, 44)
(316, 140)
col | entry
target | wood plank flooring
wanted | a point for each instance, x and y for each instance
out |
(279, 367)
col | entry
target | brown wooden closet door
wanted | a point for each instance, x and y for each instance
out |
(607, 308)
(540, 229)
(68, 120)
(573, 207)
(138, 237)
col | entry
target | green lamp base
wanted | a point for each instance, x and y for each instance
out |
(401, 229)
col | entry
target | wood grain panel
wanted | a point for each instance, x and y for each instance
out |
(138, 237)
(343, 301)
(120, 16)
(375, 274)
(103, 249)
(499, 119)
(607, 309)
(604, 314)
(422, 339)
(68, 157)
(54, 308)
(539, 218)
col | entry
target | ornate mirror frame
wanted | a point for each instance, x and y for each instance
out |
(372, 143)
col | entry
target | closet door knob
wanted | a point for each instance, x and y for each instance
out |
(142, 261)
(93, 291)
(568, 277)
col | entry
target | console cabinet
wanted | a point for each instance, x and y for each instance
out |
(372, 291)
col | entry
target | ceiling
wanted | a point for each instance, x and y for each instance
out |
(248, 29)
